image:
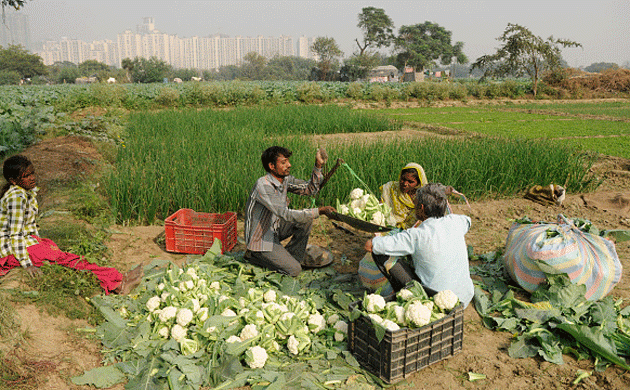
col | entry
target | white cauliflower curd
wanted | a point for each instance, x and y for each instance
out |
(418, 314)
(374, 303)
(446, 300)
(256, 357)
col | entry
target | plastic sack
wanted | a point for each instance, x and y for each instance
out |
(535, 249)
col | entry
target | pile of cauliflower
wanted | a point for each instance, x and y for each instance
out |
(202, 316)
(412, 308)
(365, 207)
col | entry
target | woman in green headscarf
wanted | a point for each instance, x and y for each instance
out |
(399, 195)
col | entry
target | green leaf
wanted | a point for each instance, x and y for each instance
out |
(350, 359)
(619, 235)
(147, 379)
(507, 324)
(482, 303)
(594, 339)
(100, 377)
(525, 346)
(290, 286)
(537, 316)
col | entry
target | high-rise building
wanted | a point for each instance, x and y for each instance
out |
(304, 47)
(15, 30)
(195, 52)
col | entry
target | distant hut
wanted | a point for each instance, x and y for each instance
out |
(382, 74)
(410, 74)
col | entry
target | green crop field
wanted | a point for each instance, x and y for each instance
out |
(208, 160)
(601, 127)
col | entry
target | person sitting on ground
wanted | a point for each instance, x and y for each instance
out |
(20, 244)
(437, 247)
(269, 220)
(399, 196)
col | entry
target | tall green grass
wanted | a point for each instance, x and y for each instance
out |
(209, 160)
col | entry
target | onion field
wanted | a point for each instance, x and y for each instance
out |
(208, 160)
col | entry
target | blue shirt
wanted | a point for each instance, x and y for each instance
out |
(439, 253)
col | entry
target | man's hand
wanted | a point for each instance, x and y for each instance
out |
(321, 157)
(326, 210)
(368, 245)
(33, 271)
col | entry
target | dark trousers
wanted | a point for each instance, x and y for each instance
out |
(285, 259)
(400, 275)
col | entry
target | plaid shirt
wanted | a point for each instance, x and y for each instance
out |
(18, 209)
(268, 204)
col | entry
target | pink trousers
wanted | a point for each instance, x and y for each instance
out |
(47, 250)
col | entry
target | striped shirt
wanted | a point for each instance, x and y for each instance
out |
(268, 205)
(18, 210)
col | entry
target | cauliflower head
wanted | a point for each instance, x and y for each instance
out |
(184, 316)
(178, 332)
(418, 314)
(249, 331)
(357, 193)
(256, 357)
(153, 303)
(446, 300)
(374, 303)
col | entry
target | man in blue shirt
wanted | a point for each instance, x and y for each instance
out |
(437, 247)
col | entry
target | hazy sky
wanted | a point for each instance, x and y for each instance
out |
(601, 26)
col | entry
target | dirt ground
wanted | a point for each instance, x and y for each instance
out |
(53, 339)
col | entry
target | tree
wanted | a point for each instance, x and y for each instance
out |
(253, 66)
(328, 52)
(290, 67)
(17, 58)
(359, 66)
(152, 70)
(421, 45)
(523, 53)
(378, 29)
(92, 67)
(127, 65)
(599, 67)
(67, 75)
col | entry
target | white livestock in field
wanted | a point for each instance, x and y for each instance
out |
(111, 80)
(177, 80)
(195, 78)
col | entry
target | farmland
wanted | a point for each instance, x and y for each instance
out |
(153, 160)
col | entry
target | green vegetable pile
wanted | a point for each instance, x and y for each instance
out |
(558, 320)
(222, 323)
(366, 207)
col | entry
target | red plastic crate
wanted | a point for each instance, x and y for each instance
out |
(405, 351)
(188, 231)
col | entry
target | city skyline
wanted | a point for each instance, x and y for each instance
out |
(600, 26)
(203, 53)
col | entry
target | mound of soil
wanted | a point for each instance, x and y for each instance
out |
(484, 351)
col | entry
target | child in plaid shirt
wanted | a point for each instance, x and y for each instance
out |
(20, 244)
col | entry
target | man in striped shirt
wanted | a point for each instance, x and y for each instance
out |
(269, 220)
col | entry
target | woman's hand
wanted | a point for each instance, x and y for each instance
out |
(33, 271)
(368, 245)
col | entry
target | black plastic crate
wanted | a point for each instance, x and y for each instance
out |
(405, 351)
